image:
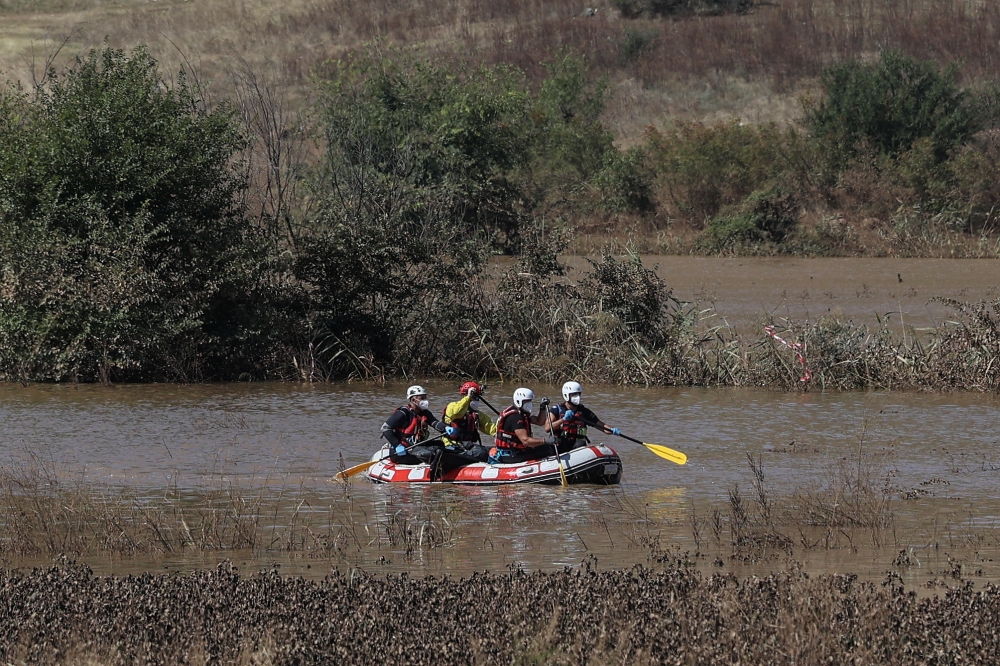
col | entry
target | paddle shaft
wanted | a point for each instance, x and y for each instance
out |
(552, 433)
(662, 451)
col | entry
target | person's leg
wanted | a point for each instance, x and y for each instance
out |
(408, 459)
(477, 453)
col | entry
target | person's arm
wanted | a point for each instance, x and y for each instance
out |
(605, 428)
(456, 410)
(394, 422)
(433, 421)
(531, 442)
(487, 425)
(540, 418)
(556, 421)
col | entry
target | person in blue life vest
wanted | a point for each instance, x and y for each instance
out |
(464, 423)
(408, 425)
(514, 441)
(570, 419)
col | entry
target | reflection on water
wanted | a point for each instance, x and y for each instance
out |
(939, 453)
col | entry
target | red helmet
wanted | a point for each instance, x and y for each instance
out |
(470, 385)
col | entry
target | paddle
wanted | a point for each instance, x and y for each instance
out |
(357, 469)
(662, 451)
(552, 432)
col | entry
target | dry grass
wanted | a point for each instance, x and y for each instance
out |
(65, 614)
(709, 68)
(45, 511)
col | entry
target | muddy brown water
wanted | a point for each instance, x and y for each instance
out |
(746, 289)
(939, 452)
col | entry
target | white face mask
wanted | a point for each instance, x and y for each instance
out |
(575, 398)
(474, 405)
(424, 404)
(526, 406)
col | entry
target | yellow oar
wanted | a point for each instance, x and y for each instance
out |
(658, 449)
(357, 469)
(664, 452)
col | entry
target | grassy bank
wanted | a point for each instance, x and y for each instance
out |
(65, 614)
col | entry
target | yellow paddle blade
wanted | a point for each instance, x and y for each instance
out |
(669, 454)
(353, 471)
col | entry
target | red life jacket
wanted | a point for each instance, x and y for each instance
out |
(571, 429)
(467, 425)
(415, 430)
(510, 440)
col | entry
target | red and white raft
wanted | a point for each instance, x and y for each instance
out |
(588, 464)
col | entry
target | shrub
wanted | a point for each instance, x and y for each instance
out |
(626, 183)
(637, 8)
(125, 249)
(889, 105)
(703, 168)
(767, 215)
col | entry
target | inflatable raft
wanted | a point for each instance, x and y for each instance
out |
(588, 464)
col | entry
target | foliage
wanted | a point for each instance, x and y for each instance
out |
(703, 168)
(767, 215)
(626, 182)
(122, 239)
(891, 104)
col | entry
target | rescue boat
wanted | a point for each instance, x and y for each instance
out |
(598, 464)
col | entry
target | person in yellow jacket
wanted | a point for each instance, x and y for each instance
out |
(463, 423)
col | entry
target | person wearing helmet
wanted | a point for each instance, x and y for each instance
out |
(571, 418)
(407, 426)
(514, 442)
(464, 422)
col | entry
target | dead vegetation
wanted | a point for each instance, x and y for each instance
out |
(66, 614)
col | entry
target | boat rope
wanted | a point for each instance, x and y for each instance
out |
(797, 347)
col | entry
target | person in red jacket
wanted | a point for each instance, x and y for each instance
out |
(514, 442)
(571, 418)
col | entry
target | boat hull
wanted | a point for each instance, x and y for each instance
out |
(597, 464)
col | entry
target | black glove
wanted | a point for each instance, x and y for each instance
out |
(544, 403)
(551, 440)
(440, 426)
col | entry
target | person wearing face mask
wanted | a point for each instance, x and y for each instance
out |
(408, 425)
(514, 442)
(464, 422)
(571, 417)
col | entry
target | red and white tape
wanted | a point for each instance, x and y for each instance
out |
(797, 348)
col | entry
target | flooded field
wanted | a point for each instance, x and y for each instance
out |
(744, 289)
(919, 471)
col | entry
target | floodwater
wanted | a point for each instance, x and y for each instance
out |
(745, 290)
(938, 452)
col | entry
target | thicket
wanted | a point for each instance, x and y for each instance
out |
(896, 142)
(129, 251)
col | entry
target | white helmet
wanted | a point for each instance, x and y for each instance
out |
(415, 390)
(570, 388)
(523, 395)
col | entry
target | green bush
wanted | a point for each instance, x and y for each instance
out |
(767, 215)
(703, 168)
(125, 250)
(626, 183)
(889, 105)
